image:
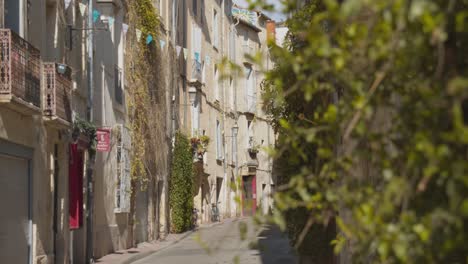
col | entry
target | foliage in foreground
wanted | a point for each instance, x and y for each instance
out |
(181, 184)
(370, 101)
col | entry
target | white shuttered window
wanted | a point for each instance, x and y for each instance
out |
(215, 28)
(219, 141)
(122, 190)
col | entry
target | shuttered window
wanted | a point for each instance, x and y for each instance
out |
(216, 83)
(196, 116)
(219, 141)
(250, 89)
(194, 6)
(196, 54)
(122, 190)
(232, 46)
(215, 28)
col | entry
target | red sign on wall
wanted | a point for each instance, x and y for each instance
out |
(103, 139)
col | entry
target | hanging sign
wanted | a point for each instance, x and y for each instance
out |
(103, 139)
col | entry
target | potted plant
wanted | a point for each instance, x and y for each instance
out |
(200, 146)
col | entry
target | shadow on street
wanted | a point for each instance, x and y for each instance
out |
(274, 246)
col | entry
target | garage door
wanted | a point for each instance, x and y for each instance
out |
(14, 214)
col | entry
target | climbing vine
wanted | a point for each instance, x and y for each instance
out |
(181, 185)
(144, 16)
(146, 85)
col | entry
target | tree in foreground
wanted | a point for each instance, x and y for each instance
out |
(370, 102)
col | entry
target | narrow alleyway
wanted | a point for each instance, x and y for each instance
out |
(223, 244)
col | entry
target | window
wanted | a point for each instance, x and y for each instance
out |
(215, 28)
(250, 139)
(194, 6)
(232, 94)
(196, 38)
(119, 72)
(232, 46)
(216, 83)
(203, 78)
(202, 11)
(122, 191)
(250, 86)
(219, 141)
(234, 145)
(196, 116)
(246, 41)
(13, 16)
(196, 47)
(118, 93)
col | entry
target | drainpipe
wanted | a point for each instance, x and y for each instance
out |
(89, 169)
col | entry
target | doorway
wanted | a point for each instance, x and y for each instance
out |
(249, 195)
(15, 217)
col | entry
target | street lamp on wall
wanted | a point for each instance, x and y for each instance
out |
(62, 68)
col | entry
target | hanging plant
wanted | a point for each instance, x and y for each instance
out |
(81, 126)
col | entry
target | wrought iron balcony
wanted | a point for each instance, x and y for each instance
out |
(20, 69)
(57, 93)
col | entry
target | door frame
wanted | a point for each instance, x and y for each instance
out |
(253, 196)
(19, 151)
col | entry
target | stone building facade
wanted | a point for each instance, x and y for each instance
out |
(221, 103)
(71, 206)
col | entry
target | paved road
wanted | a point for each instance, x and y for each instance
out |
(223, 244)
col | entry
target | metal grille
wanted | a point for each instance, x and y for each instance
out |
(19, 68)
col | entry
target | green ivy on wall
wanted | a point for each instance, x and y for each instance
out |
(181, 184)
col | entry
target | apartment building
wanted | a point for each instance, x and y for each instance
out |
(220, 104)
(35, 123)
(255, 134)
(61, 204)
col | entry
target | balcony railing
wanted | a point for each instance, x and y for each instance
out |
(57, 92)
(19, 72)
